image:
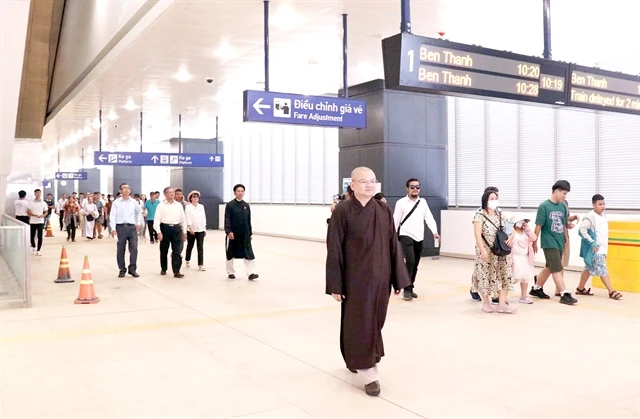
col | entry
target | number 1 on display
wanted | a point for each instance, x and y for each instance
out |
(411, 55)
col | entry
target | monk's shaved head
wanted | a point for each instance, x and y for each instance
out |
(362, 173)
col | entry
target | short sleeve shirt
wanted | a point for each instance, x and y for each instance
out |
(553, 219)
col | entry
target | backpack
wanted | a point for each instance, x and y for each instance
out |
(500, 247)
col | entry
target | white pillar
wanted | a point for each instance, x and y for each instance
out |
(14, 20)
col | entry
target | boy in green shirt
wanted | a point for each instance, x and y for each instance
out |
(551, 221)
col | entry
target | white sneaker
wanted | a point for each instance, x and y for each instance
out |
(201, 268)
(33, 250)
(38, 253)
(526, 300)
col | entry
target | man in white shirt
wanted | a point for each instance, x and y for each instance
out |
(171, 225)
(20, 205)
(37, 210)
(409, 216)
(60, 209)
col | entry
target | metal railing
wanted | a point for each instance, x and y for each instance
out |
(15, 262)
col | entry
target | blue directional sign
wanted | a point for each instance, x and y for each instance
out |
(71, 175)
(104, 158)
(285, 108)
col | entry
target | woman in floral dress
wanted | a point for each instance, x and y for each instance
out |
(492, 272)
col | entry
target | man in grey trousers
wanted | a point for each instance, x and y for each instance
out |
(125, 220)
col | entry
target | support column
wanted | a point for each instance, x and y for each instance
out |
(92, 183)
(406, 137)
(207, 180)
(131, 175)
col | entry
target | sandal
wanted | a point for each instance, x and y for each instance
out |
(487, 309)
(509, 310)
(615, 295)
(584, 291)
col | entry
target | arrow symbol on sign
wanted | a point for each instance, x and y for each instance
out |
(211, 158)
(57, 175)
(155, 159)
(102, 158)
(258, 106)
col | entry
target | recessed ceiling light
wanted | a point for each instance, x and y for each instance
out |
(131, 105)
(225, 51)
(96, 123)
(112, 116)
(183, 75)
(286, 18)
(153, 92)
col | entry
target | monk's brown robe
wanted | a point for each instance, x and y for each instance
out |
(364, 260)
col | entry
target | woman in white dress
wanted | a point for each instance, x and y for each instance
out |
(90, 214)
(196, 227)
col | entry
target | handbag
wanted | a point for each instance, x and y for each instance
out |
(408, 215)
(89, 217)
(500, 246)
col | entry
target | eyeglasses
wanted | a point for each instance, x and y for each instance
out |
(414, 187)
(367, 182)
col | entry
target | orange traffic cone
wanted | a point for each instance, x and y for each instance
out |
(49, 231)
(63, 270)
(87, 294)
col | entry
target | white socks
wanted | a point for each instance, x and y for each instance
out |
(369, 375)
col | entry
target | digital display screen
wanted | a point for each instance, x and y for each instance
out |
(598, 89)
(432, 65)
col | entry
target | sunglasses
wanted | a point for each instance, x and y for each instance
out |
(414, 187)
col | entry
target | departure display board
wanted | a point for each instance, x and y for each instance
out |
(430, 65)
(594, 88)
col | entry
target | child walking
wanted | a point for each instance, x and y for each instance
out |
(594, 231)
(522, 256)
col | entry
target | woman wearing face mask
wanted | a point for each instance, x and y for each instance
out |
(492, 272)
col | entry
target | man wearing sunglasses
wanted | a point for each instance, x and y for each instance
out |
(410, 214)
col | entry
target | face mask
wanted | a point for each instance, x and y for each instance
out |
(493, 204)
(110, 199)
(520, 224)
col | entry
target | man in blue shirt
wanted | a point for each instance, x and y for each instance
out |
(125, 220)
(150, 205)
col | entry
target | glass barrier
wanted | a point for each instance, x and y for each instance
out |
(15, 267)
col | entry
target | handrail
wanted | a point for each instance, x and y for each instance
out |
(14, 252)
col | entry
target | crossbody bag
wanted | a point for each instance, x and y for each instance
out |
(500, 247)
(408, 215)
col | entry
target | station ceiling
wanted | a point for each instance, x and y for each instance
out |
(163, 72)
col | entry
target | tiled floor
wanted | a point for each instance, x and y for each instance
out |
(208, 347)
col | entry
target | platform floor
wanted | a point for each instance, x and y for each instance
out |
(208, 347)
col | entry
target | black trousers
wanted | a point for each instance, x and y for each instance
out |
(191, 240)
(127, 233)
(23, 218)
(61, 219)
(171, 236)
(153, 234)
(36, 228)
(412, 254)
(71, 228)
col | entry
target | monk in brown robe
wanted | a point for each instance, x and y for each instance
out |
(364, 260)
